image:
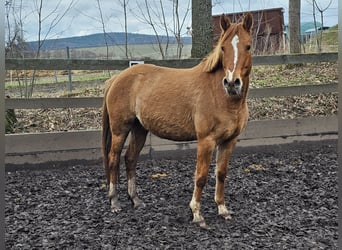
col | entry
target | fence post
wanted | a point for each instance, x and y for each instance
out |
(69, 70)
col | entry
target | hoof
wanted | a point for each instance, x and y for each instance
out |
(226, 216)
(115, 205)
(224, 212)
(137, 203)
(140, 205)
(201, 224)
(116, 209)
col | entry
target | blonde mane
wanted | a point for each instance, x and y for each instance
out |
(213, 61)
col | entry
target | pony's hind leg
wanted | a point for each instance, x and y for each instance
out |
(137, 141)
(114, 169)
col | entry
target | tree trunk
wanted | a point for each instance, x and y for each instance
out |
(294, 26)
(126, 32)
(202, 28)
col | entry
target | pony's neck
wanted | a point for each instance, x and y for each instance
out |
(244, 93)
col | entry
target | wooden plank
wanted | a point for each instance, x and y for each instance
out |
(293, 127)
(295, 59)
(44, 103)
(85, 64)
(272, 128)
(96, 102)
(54, 141)
(176, 63)
(293, 90)
(76, 140)
(65, 64)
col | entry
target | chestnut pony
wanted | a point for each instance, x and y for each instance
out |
(206, 103)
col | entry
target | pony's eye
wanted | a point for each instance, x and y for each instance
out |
(248, 47)
(222, 48)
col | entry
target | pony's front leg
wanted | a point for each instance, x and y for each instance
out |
(223, 155)
(205, 148)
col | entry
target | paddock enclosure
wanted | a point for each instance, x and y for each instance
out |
(281, 185)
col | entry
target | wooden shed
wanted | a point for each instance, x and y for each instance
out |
(268, 29)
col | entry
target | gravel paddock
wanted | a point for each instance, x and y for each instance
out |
(281, 198)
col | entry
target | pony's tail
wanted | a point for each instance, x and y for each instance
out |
(106, 136)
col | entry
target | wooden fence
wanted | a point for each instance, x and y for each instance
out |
(70, 146)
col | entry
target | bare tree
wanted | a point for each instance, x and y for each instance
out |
(163, 22)
(124, 4)
(46, 21)
(16, 47)
(103, 28)
(178, 25)
(15, 43)
(145, 16)
(321, 10)
(153, 13)
(56, 18)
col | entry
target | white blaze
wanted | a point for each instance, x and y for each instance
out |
(234, 43)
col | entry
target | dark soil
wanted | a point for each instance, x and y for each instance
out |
(284, 198)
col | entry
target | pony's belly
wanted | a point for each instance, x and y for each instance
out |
(175, 130)
(176, 136)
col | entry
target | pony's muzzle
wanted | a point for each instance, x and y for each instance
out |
(233, 87)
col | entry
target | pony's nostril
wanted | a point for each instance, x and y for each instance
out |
(225, 82)
(237, 82)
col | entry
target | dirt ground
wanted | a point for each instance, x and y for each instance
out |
(281, 198)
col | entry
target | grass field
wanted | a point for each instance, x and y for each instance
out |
(329, 41)
(135, 52)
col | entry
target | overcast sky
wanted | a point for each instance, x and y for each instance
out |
(84, 16)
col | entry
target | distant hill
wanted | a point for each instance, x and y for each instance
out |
(97, 40)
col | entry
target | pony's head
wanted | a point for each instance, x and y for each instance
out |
(233, 53)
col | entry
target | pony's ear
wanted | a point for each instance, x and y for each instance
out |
(247, 22)
(224, 22)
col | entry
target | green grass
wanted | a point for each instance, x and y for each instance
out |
(331, 36)
(61, 79)
(135, 52)
(329, 41)
(282, 75)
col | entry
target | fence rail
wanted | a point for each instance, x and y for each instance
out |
(96, 102)
(85, 64)
(77, 145)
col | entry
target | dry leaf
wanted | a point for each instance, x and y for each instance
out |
(254, 167)
(155, 176)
